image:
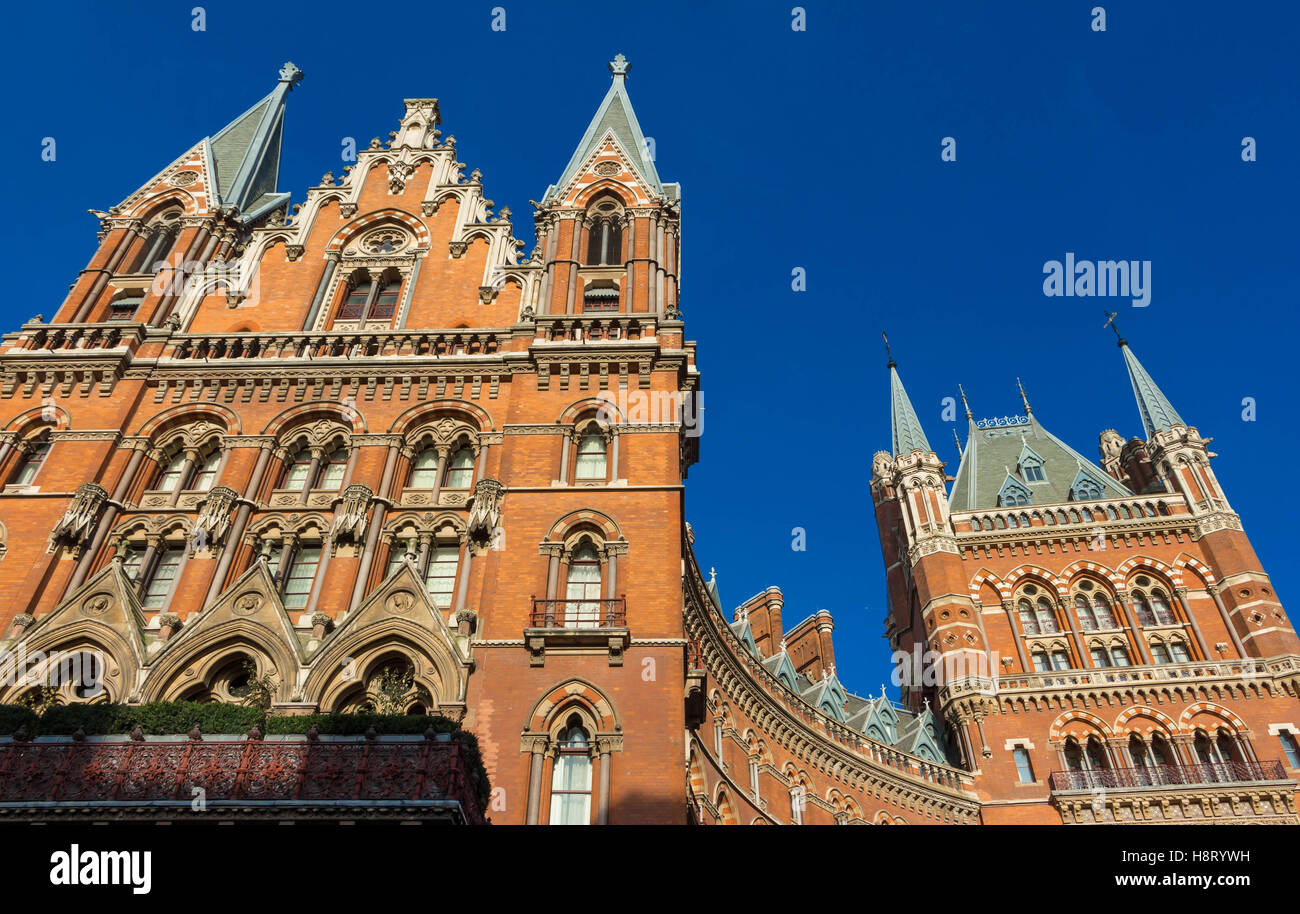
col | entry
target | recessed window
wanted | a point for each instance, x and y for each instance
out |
(571, 780)
(591, 456)
(162, 577)
(205, 475)
(33, 460)
(460, 469)
(424, 469)
(1034, 473)
(302, 574)
(1290, 747)
(334, 465)
(582, 590)
(124, 308)
(440, 580)
(1024, 768)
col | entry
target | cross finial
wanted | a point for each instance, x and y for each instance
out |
(1110, 322)
(1024, 399)
(619, 66)
(964, 403)
(713, 575)
(889, 352)
(882, 690)
(926, 702)
(290, 74)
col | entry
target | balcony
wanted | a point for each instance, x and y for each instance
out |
(1207, 792)
(425, 781)
(577, 625)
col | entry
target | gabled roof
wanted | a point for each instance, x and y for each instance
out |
(992, 455)
(1157, 412)
(614, 116)
(908, 435)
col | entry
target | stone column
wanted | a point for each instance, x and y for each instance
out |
(602, 810)
(237, 527)
(565, 438)
(614, 437)
(629, 283)
(312, 471)
(538, 756)
(378, 513)
(1144, 653)
(1181, 594)
(1213, 591)
(322, 288)
(191, 458)
(92, 294)
(575, 253)
(1018, 639)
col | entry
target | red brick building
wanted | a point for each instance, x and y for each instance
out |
(365, 436)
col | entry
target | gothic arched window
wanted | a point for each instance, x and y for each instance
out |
(460, 469)
(205, 473)
(571, 778)
(161, 577)
(582, 590)
(368, 299)
(605, 234)
(33, 458)
(591, 455)
(332, 469)
(424, 469)
(158, 241)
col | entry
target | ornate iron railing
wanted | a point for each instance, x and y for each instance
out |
(1168, 776)
(605, 613)
(297, 773)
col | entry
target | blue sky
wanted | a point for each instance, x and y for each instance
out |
(817, 149)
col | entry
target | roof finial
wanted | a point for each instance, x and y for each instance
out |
(1029, 410)
(964, 403)
(1110, 322)
(619, 66)
(957, 441)
(889, 352)
(713, 575)
(290, 74)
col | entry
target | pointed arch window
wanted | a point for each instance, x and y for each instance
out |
(1119, 656)
(605, 234)
(460, 469)
(1099, 657)
(299, 470)
(1290, 748)
(158, 242)
(332, 469)
(170, 478)
(32, 460)
(582, 590)
(1160, 608)
(1159, 653)
(1046, 616)
(1028, 621)
(1084, 610)
(591, 463)
(571, 778)
(205, 474)
(424, 469)
(1105, 617)
(1142, 609)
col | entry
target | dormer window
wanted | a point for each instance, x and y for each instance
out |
(1014, 494)
(1031, 465)
(1033, 473)
(1085, 488)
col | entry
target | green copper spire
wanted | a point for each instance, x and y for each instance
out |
(1158, 413)
(615, 115)
(908, 435)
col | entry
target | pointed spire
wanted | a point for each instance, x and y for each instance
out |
(246, 152)
(614, 114)
(1157, 412)
(969, 417)
(1029, 410)
(908, 435)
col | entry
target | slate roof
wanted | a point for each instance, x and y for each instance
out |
(991, 455)
(246, 152)
(1157, 412)
(908, 435)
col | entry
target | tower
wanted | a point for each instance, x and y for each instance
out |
(362, 441)
(1139, 666)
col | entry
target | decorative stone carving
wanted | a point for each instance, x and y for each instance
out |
(184, 178)
(606, 169)
(247, 604)
(485, 513)
(293, 251)
(79, 519)
(350, 515)
(347, 210)
(486, 294)
(457, 248)
(98, 604)
(400, 602)
(214, 517)
(398, 173)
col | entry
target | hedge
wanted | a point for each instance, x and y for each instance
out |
(160, 718)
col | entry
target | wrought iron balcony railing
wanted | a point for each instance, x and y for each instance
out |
(578, 614)
(1202, 774)
(299, 773)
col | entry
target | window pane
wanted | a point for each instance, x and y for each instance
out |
(1179, 650)
(460, 471)
(32, 464)
(296, 478)
(332, 477)
(1291, 747)
(207, 473)
(1099, 657)
(164, 574)
(1023, 767)
(424, 471)
(441, 578)
(302, 574)
(386, 301)
(591, 456)
(355, 301)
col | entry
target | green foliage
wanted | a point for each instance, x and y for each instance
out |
(357, 724)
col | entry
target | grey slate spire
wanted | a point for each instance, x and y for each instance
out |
(246, 152)
(908, 435)
(615, 113)
(1157, 412)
